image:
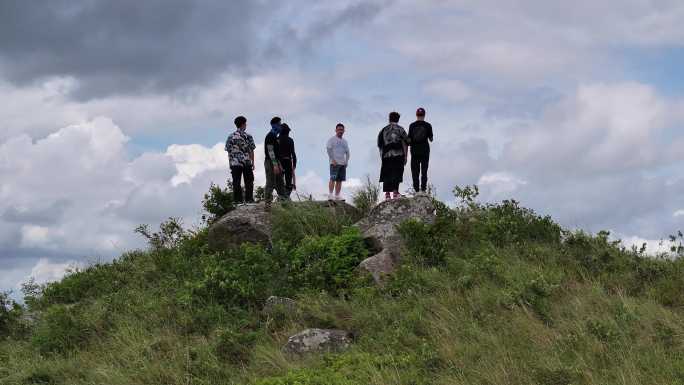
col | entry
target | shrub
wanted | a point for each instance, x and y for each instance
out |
(234, 345)
(60, 329)
(366, 197)
(169, 236)
(246, 276)
(10, 317)
(217, 202)
(292, 223)
(328, 262)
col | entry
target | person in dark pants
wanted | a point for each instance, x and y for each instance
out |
(420, 136)
(393, 146)
(272, 166)
(287, 157)
(240, 147)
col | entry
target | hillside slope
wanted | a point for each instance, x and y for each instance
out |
(489, 294)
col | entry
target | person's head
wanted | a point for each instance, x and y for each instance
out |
(240, 122)
(275, 124)
(339, 130)
(394, 117)
(420, 113)
(284, 129)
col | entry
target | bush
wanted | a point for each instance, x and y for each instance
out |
(246, 276)
(10, 317)
(217, 202)
(234, 345)
(366, 197)
(328, 262)
(292, 223)
(60, 329)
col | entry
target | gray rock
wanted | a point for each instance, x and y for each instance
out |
(245, 224)
(318, 340)
(274, 303)
(380, 231)
(252, 223)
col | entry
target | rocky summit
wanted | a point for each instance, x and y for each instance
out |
(380, 231)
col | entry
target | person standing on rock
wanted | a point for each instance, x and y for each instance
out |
(240, 147)
(287, 157)
(420, 136)
(393, 146)
(338, 155)
(272, 166)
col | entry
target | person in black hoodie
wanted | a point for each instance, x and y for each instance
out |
(287, 157)
(420, 136)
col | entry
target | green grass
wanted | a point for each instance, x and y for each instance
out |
(489, 294)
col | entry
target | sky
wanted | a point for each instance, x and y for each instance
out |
(114, 113)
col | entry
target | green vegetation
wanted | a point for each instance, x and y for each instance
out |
(488, 294)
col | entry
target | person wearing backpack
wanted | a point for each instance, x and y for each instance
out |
(393, 146)
(420, 136)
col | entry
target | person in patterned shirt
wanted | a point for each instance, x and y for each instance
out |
(240, 146)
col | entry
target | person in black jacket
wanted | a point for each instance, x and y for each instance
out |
(287, 157)
(420, 135)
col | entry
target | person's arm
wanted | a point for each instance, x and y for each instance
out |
(430, 132)
(294, 155)
(380, 143)
(270, 148)
(347, 154)
(405, 143)
(252, 146)
(329, 148)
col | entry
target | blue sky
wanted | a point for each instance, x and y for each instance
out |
(114, 114)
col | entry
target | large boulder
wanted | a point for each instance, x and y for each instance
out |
(252, 223)
(381, 235)
(318, 340)
(245, 224)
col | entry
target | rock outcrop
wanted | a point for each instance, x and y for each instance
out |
(381, 235)
(245, 224)
(318, 340)
(252, 223)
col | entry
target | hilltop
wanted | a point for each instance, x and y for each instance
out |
(482, 294)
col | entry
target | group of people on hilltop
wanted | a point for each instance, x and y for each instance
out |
(280, 158)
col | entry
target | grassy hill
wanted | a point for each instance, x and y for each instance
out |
(489, 294)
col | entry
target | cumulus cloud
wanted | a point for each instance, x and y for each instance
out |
(77, 194)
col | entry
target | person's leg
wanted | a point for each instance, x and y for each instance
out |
(423, 171)
(236, 174)
(341, 177)
(280, 185)
(331, 183)
(248, 174)
(415, 170)
(287, 174)
(268, 190)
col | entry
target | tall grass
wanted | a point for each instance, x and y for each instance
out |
(488, 294)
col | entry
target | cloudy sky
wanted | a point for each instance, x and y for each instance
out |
(114, 113)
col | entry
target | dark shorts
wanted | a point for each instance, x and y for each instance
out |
(338, 173)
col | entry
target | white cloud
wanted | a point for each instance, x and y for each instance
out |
(46, 271)
(500, 183)
(678, 213)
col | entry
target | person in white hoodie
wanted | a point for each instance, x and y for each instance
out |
(338, 154)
